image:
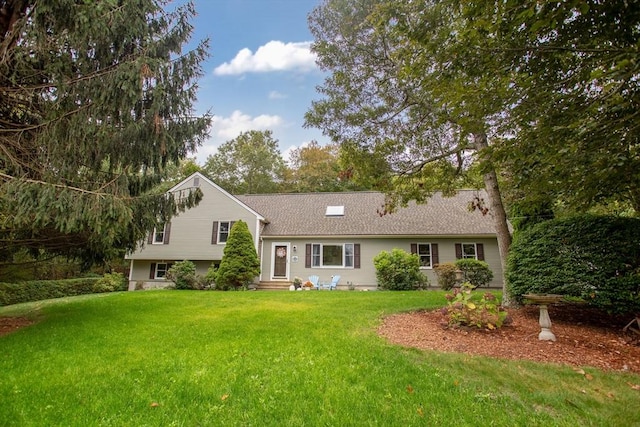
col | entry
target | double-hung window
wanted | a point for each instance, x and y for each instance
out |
(223, 231)
(161, 270)
(159, 234)
(424, 252)
(330, 255)
(470, 250)
(428, 253)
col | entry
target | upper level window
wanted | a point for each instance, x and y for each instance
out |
(332, 255)
(159, 234)
(223, 231)
(220, 233)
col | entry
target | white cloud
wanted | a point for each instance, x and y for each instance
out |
(224, 129)
(274, 94)
(230, 127)
(273, 56)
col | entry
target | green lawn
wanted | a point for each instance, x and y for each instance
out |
(187, 358)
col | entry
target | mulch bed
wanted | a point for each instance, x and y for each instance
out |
(584, 337)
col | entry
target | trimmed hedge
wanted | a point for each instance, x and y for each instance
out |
(36, 290)
(596, 258)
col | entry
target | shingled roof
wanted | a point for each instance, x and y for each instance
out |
(305, 215)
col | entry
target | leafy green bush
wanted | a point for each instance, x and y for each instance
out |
(240, 264)
(595, 258)
(36, 290)
(399, 270)
(208, 281)
(446, 273)
(475, 272)
(110, 282)
(183, 274)
(467, 309)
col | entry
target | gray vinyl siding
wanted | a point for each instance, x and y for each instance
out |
(365, 276)
(191, 231)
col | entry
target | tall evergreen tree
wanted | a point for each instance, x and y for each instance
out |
(240, 264)
(95, 100)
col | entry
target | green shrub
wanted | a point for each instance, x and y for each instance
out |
(475, 272)
(110, 282)
(467, 309)
(240, 264)
(183, 274)
(446, 273)
(595, 258)
(36, 290)
(399, 270)
(208, 281)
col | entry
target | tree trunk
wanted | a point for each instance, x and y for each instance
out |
(496, 208)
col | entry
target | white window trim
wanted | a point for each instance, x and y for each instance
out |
(155, 233)
(166, 268)
(220, 229)
(430, 266)
(475, 250)
(344, 255)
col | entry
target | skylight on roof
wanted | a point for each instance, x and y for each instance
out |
(335, 211)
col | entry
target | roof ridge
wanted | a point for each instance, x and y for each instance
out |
(320, 193)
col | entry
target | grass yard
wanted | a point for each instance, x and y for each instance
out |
(187, 358)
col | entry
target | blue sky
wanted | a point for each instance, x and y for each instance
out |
(261, 74)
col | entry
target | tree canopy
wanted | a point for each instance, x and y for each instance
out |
(575, 65)
(318, 168)
(405, 101)
(249, 163)
(95, 100)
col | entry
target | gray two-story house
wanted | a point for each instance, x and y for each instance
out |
(322, 234)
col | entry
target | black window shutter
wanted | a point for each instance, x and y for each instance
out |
(458, 250)
(152, 273)
(150, 238)
(307, 256)
(356, 255)
(480, 251)
(214, 233)
(414, 248)
(434, 254)
(167, 233)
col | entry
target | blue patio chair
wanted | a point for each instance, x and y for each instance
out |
(314, 281)
(332, 285)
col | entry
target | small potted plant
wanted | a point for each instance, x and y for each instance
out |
(297, 282)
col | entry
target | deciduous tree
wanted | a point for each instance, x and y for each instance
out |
(317, 168)
(405, 99)
(249, 163)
